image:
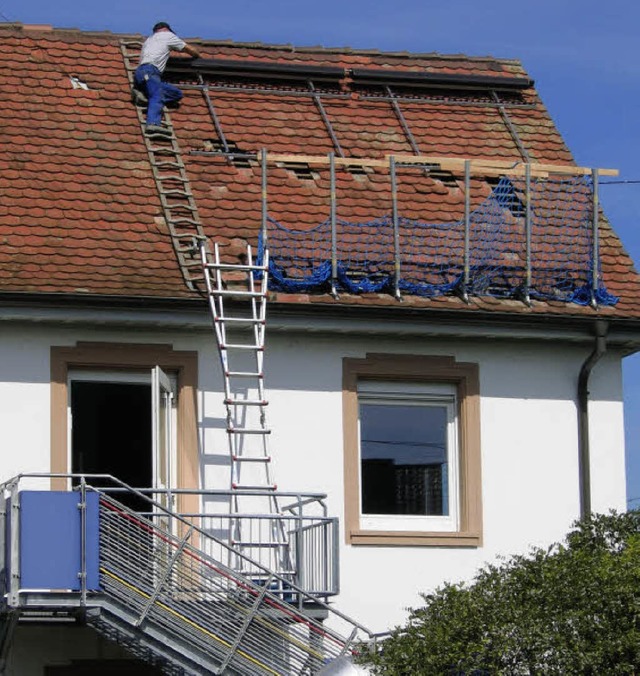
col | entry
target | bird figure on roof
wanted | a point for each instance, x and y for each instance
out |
(148, 75)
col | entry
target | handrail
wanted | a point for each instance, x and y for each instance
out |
(283, 582)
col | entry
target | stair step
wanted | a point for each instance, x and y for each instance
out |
(262, 545)
(257, 578)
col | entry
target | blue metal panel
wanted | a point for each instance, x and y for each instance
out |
(50, 540)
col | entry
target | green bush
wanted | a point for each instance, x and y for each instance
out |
(573, 608)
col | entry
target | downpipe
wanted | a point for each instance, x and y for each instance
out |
(584, 452)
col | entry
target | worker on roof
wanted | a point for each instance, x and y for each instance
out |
(148, 75)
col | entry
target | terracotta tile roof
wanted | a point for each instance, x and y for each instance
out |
(79, 207)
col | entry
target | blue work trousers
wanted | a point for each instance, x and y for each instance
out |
(148, 80)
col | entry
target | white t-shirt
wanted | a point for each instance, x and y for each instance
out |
(156, 48)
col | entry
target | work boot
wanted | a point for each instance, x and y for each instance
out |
(157, 130)
(138, 98)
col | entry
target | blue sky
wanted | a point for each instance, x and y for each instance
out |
(583, 55)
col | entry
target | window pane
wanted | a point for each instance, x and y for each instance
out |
(404, 459)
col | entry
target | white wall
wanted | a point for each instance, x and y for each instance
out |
(528, 436)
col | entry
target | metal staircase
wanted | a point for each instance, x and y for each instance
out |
(237, 295)
(178, 204)
(157, 592)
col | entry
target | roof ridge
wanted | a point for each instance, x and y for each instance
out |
(305, 49)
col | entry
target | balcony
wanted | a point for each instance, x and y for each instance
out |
(173, 588)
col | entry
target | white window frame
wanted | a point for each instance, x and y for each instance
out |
(422, 370)
(416, 394)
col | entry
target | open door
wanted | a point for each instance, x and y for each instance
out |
(163, 452)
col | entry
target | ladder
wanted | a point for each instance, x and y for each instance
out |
(237, 294)
(178, 203)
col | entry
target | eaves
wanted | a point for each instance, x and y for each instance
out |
(191, 314)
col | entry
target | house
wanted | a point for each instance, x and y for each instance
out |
(448, 311)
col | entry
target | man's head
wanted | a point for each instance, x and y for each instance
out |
(161, 25)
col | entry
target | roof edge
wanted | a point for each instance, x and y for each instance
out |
(306, 49)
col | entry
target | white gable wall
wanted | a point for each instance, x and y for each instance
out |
(530, 489)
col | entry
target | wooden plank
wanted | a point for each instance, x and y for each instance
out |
(324, 159)
(478, 166)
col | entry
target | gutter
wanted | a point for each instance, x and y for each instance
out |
(584, 455)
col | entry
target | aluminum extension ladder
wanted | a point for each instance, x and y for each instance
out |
(237, 294)
(178, 204)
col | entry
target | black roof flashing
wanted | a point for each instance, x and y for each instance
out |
(257, 69)
(268, 70)
(424, 78)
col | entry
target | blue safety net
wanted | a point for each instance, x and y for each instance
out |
(430, 257)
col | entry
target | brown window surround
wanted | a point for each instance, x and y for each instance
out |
(422, 369)
(123, 357)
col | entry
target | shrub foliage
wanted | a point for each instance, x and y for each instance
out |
(573, 608)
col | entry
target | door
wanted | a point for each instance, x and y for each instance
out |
(122, 424)
(163, 452)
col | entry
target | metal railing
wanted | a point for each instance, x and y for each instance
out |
(313, 536)
(159, 577)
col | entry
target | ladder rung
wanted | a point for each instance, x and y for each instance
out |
(241, 294)
(172, 192)
(166, 135)
(240, 458)
(246, 402)
(240, 320)
(182, 219)
(172, 177)
(237, 266)
(162, 164)
(244, 374)
(254, 487)
(247, 430)
(182, 206)
(185, 249)
(239, 346)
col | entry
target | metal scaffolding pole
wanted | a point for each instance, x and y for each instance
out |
(467, 227)
(527, 227)
(263, 168)
(396, 233)
(325, 118)
(213, 114)
(595, 273)
(334, 237)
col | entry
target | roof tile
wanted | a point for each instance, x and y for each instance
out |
(80, 211)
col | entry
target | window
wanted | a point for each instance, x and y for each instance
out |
(412, 451)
